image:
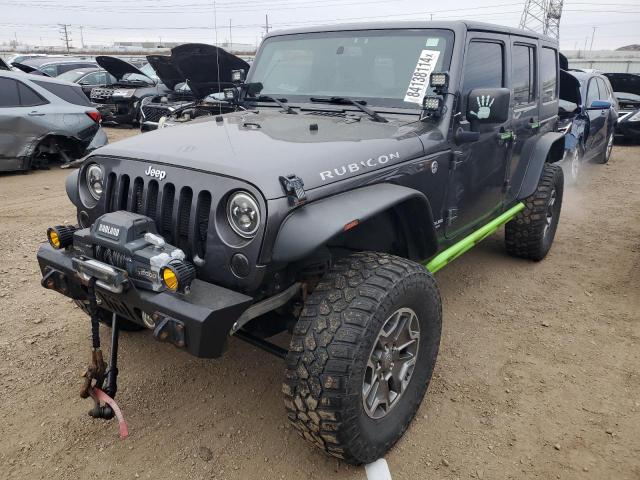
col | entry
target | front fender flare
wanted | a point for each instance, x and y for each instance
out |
(314, 224)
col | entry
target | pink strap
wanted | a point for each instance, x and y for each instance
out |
(103, 397)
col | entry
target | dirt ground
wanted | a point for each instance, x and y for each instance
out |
(538, 374)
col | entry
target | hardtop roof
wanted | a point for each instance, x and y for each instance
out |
(457, 26)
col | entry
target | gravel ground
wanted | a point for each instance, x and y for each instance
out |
(538, 374)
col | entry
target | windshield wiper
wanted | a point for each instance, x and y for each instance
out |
(267, 98)
(350, 101)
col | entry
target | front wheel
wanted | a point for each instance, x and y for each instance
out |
(362, 355)
(606, 154)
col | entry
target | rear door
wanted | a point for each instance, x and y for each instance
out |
(597, 120)
(525, 99)
(477, 181)
(21, 121)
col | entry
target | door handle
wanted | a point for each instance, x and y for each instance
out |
(35, 114)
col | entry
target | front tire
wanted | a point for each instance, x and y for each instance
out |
(606, 154)
(530, 234)
(374, 319)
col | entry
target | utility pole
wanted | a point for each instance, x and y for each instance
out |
(593, 34)
(64, 32)
(266, 23)
(230, 37)
(81, 36)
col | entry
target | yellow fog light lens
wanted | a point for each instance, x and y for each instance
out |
(54, 239)
(170, 279)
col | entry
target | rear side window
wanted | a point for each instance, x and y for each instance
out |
(484, 67)
(68, 93)
(28, 97)
(50, 70)
(9, 93)
(548, 74)
(523, 74)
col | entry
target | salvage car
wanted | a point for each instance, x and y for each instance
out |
(44, 119)
(119, 102)
(626, 88)
(194, 73)
(587, 117)
(53, 66)
(363, 159)
(88, 78)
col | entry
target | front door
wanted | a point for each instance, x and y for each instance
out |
(597, 121)
(478, 177)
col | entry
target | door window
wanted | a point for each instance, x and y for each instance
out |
(50, 70)
(9, 93)
(604, 91)
(592, 93)
(484, 67)
(29, 98)
(91, 79)
(523, 74)
(68, 93)
(549, 74)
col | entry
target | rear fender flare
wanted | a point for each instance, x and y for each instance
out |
(313, 225)
(547, 148)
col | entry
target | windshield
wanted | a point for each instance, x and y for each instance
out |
(386, 68)
(148, 70)
(71, 76)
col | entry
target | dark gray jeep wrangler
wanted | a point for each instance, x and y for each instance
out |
(360, 160)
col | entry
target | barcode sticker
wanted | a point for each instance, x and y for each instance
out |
(420, 77)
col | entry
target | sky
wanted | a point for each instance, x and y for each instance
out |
(105, 21)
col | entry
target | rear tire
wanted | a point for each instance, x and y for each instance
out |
(530, 234)
(606, 154)
(362, 355)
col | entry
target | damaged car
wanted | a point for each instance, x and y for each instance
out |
(626, 88)
(44, 119)
(119, 102)
(195, 74)
(587, 115)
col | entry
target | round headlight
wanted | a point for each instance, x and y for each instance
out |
(243, 214)
(95, 180)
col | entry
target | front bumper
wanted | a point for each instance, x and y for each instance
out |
(117, 113)
(204, 317)
(627, 129)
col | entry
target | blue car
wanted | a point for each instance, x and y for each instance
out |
(588, 113)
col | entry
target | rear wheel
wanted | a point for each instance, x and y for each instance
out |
(606, 154)
(530, 234)
(362, 355)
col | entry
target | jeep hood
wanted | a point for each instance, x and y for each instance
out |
(205, 68)
(261, 147)
(118, 68)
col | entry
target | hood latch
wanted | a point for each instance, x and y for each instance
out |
(294, 188)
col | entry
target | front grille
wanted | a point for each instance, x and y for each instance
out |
(182, 221)
(154, 113)
(101, 94)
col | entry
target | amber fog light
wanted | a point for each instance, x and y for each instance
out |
(60, 236)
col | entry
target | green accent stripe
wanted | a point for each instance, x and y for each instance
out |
(467, 243)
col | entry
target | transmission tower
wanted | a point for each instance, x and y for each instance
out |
(542, 16)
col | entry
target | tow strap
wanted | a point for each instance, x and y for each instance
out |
(99, 396)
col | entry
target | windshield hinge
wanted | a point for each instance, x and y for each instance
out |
(294, 188)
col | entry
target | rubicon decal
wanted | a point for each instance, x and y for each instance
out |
(159, 174)
(356, 167)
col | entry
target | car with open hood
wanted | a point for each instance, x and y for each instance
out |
(361, 160)
(44, 119)
(119, 102)
(194, 73)
(587, 116)
(626, 88)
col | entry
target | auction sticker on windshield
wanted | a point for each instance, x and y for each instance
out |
(420, 77)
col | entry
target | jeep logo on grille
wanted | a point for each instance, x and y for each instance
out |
(159, 174)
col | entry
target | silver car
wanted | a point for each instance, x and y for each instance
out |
(43, 119)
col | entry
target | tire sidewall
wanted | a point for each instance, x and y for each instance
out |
(381, 434)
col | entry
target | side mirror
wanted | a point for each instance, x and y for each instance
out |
(488, 105)
(599, 105)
